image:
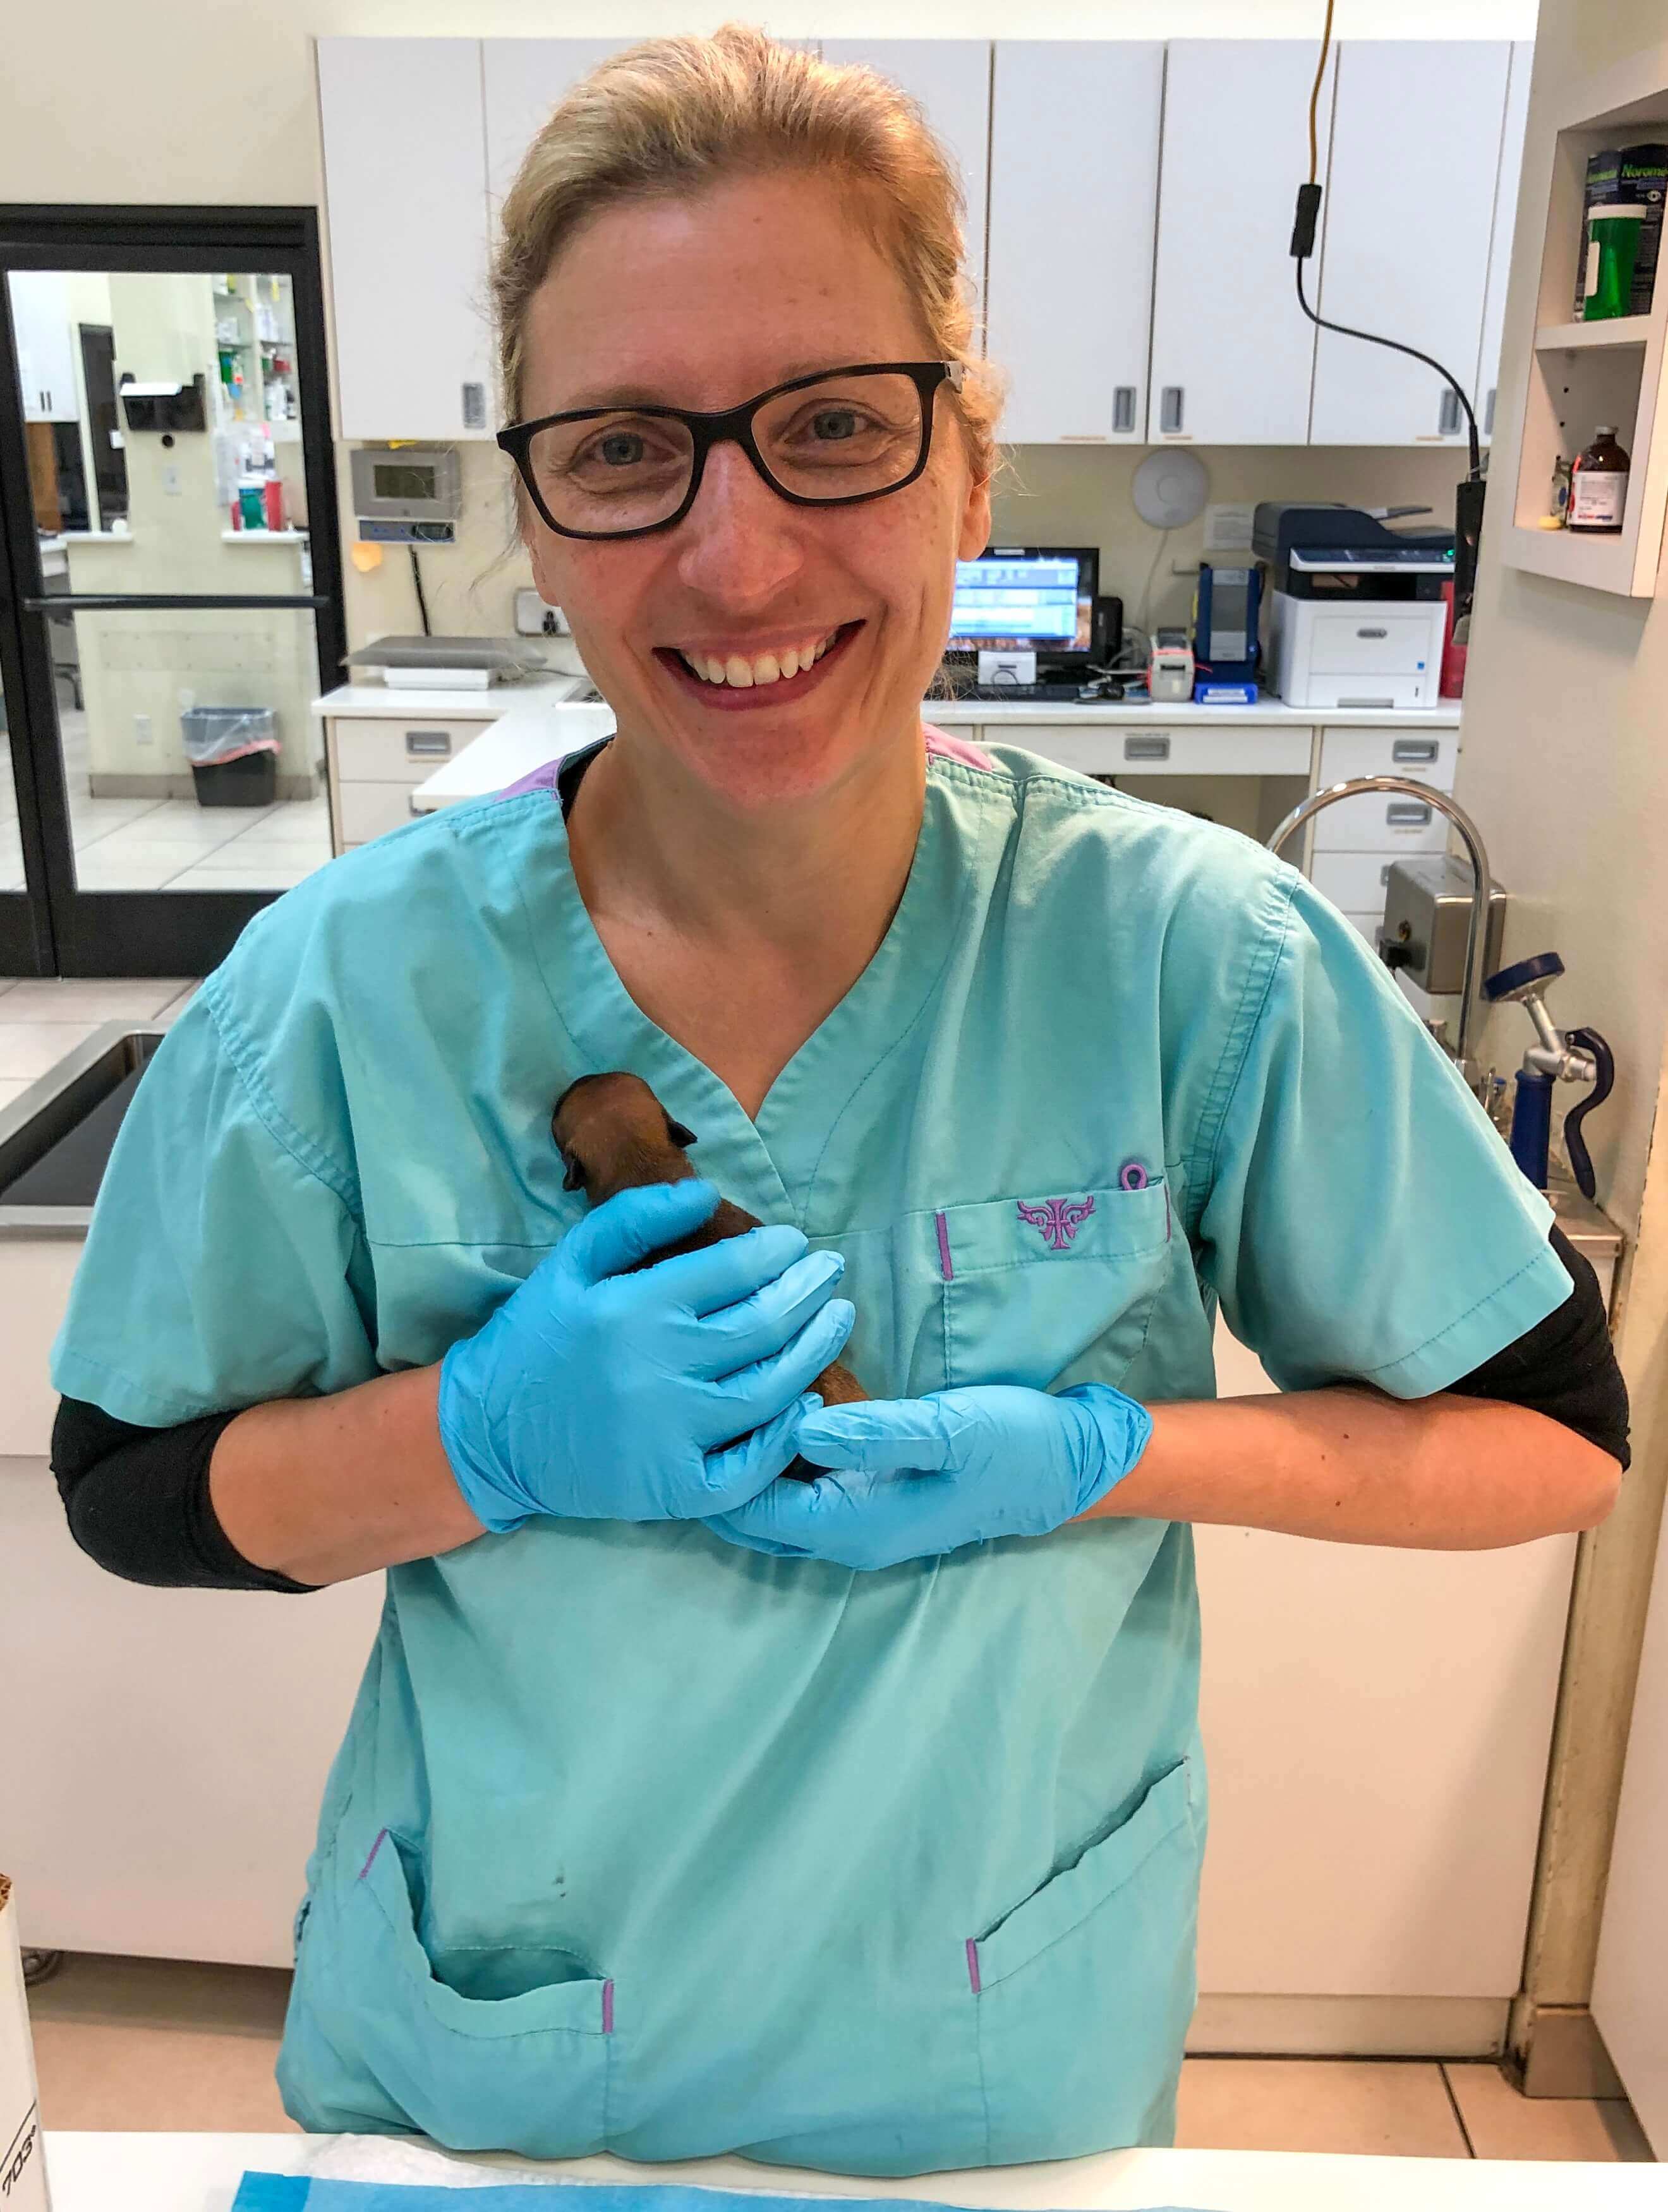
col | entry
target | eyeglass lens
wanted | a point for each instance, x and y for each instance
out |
(837, 439)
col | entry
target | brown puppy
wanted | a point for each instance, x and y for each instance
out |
(613, 1132)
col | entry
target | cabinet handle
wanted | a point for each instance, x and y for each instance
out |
(1372, 629)
(474, 407)
(1407, 814)
(429, 744)
(1447, 414)
(1414, 749)
(1170, 408)
(1154, 747)
(1123, 407)
(1488, 413)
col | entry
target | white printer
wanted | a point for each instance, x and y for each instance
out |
(1356, 615)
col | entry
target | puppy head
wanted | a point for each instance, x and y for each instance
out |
(612, 1132)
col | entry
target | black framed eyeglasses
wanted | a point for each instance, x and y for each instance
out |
(831, 438)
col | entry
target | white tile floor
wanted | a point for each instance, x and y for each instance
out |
(170, 844)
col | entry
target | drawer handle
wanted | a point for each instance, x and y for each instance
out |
(1146, 749)
(1414, 749)
(1407, 813)
(1123, 407)
(1373, 631)
(1170, 409)
(429, 744)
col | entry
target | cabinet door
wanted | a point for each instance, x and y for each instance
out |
(522, 79)
(1499, 244)
(1232, 353)
(405, 194)
(1409, 205)
(1070, 264)
(950, 78)
(46, 345)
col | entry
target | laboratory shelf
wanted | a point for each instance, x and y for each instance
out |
(1621, 330)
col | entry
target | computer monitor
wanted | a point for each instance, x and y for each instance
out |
(1031, 598)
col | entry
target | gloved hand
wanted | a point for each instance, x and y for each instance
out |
(596, 1394)
(915, 1477)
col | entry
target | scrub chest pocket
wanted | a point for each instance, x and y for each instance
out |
(1027, 1286)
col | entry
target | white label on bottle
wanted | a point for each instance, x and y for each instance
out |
(1592, 283)
(1596, 498)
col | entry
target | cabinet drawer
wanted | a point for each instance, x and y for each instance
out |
(1426, 755)
(1102, 749)
(1381, 823)
(1355, 882)
(367, 809)
(371, 750)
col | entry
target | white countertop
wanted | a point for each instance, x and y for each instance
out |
(383, 702)
(200, 2173)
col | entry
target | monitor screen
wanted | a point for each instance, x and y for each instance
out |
(1026, 598)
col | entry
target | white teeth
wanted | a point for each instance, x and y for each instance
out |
(742, 674)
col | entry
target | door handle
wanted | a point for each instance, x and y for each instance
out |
(1488, 413)
(1156, 746)
(1123, 407)
(474, 406)
(1373, 631)
(1414, 749)
(1170, 408)
(1447, 414)
(1407, 814)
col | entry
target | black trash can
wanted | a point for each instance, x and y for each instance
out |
(234, 754)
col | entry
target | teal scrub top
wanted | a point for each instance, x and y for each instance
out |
(643, 1841)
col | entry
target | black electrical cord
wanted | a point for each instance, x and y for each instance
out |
(1372, 337)
(417, 578)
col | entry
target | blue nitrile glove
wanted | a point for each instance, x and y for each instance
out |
(595, 1394)
(915, 1477)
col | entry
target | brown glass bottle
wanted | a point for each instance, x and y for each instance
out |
(1599, 487)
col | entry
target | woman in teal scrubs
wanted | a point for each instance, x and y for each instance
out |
(686, 1808)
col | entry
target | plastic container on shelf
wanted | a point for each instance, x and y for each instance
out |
(234, 753)
(1613, 233)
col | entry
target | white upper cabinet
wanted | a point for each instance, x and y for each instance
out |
(950, 78)
(46, 345)
(521, 80)
(405, 197)
(1233, 352)
(1072, 203)
(1409, 207)
(1500, 248)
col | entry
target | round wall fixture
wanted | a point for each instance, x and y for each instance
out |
(1170, 487)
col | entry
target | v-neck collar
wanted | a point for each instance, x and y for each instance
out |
(770, 1162)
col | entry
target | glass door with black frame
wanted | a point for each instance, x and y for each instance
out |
(172, 626)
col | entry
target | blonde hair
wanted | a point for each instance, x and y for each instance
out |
(672, 115)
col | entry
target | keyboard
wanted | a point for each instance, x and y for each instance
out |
(1028, 692)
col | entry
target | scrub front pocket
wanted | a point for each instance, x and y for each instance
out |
(527, 2073)
(1083, 1992)
(1030, 1286)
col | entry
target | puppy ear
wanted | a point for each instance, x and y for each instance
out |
(680, 1131)
(574, 1178)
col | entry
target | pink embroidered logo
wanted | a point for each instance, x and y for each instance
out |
(1059, 1218)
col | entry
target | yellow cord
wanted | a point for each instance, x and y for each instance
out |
(1314, 96)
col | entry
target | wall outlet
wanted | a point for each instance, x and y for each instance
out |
(535, 618)
(142, 734)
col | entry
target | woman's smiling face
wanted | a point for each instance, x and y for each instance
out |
(702, 303)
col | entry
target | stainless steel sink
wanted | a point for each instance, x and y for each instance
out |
(56, 1139)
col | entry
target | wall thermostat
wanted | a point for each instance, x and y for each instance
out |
(407, 495)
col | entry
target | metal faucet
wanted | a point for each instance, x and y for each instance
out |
(1482, 882)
